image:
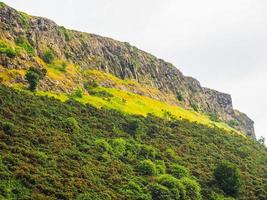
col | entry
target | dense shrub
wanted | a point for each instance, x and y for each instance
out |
(8, 127)
(78, 93)
(175, 187)
(147, 167)
(23, 43)
(49, 163)
(148, 152)
(228, 178)
(179, 96)
(192, 189)
(161, 167)
(33, 79)
(103, 146)
(7, 49)
(135, 127)
(119, 146)
(159, 192)
(178, 171)
(72, 126)
(48, 56)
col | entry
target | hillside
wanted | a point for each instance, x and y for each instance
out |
(55, 150)
(70, 56)
(85, 117)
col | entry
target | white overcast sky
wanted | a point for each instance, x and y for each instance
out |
(222, 43)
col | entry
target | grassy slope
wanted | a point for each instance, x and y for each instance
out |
(42, 159)
(136, 104)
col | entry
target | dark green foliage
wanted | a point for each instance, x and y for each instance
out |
(65, 32)
(78, 93)
(178, 171)
(232, 123)
(24, 19)
(148, 168)
(90, 87)
(8, 128)
(23, 43)
(176, 188)
(192, 189)
(179, 96)
(159, 192)
(40, 71)
(7, 50)
(33, 79)
(72, 126)
(195, 107)
(161, 167)
(214, 117)
(135, 127)
(228, 178)
(48, 56)
(44, 159)
(2, 4)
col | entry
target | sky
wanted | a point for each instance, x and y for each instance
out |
(221, 43)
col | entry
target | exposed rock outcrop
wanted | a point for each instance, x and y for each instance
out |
(91, 51)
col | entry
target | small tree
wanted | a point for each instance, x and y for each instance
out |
(147, 167)
(33, 79)
(178, 171)
(159, 192)
(228, 177)
(192, 188)
(48, 56)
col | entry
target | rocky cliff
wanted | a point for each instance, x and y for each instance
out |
(89, 51)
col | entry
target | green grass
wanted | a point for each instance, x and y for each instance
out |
(140, 105)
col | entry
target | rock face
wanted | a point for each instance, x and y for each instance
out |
(124, 61)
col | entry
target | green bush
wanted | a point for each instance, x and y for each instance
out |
(25, 45)
(135, 127)
(10, 52)
(214, 117)
(134, 191)
(8, 128)
(147, 167)
(7, 49)
(78, 93)
(161, 167)
(65, 32)
(72, 126)
(48, 56)
(148, 152)
(227, 176)
(40, 71)
(179, 96)
(119, 146)
(103, 146)
(175, 187)
(33, 79)
(192, 189)
(195, 107)
(178, 171)
(159, 192)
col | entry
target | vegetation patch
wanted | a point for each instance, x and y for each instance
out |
(48, 56)
(2, 4)
(25, 19)
(65, 32)
(7, 49)
(47, 144)
(24, 44)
